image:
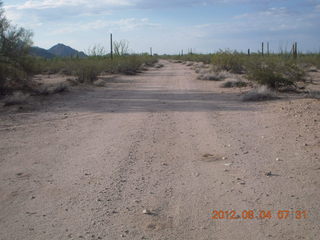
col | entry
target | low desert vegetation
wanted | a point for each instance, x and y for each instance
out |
(17, 67)
(190, 57)
(51, 89)
(88, 69)
(159, 65)
(261, 93)
(15, 64)
(212, 75)
(314, 94)
(234, 84)
(228, 61)
(276, 71)
(16, 98)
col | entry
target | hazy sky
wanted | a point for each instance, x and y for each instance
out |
(171, 25)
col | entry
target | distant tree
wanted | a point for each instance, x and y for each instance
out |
(121, 48)
(96, 50)
(15, 43)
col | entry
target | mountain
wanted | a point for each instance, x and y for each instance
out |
(41, 52)
(61, 50)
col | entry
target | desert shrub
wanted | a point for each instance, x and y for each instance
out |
(127, 64)
(159, 65)
(314, 94)
(99, 83)
(16, 98)
(88, 69)
(197, 70)
(131, 64)
(232, 84)
(51, 89)
(309, 60)
(261, 93)
(14, 46)
(274, 72)
(192, 57)
(228, 61)
(59, 88)
(213, 76)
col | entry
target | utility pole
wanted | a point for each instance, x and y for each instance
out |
(111, 46)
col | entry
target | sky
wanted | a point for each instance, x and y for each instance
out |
(169, 26)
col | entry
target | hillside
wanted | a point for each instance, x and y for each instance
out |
(58, 50)
(62, 50)
(41, 52)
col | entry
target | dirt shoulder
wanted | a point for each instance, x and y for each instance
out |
(152, 156)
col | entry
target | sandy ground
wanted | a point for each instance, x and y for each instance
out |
(153, 156)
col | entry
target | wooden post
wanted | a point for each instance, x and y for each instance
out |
(111, 46)
(262, 48)
(249, 52)
(151, 51)
(268, 49)
(295, 53)
(292, 50)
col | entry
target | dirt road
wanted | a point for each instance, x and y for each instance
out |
(152, 156)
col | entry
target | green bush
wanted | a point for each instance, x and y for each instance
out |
(12, 76)
(273, 71)
(127, 64)
(309, 60)
(14, 63)
(229, 61)
(88, 69)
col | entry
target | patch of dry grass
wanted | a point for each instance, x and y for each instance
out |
(314, 94)
(99, 83)
(213, 76)
(159, 65)
(16, 98)
(234, 84)
(52, 89)
(261, 93)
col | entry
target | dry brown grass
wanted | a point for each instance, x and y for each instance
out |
(261, 93)
(234, 84)
(213, 76)
(52, 89)
(16, 98)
